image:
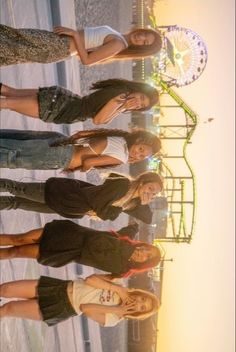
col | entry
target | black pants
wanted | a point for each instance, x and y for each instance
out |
(27, 196)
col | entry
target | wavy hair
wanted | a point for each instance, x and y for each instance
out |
(128, 201)
(135, 137)
(131, 138)
(136, 52)
(144, 315)
(134, 267)
(130, 87)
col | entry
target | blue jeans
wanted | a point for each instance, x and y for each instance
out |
(32, 150)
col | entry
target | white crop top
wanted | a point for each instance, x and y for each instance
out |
(94, 36)
(116, 148)
(83, 293)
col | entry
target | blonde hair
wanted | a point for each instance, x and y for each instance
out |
(128, 201)
(144, 315)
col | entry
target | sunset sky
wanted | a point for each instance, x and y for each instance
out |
(197, 312)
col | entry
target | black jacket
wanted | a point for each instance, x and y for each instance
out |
(63, 242)
(74, 198)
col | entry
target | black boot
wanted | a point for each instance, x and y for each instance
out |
(7, 203)
(11, 186)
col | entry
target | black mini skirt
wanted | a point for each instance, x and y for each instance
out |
(53, 300)
(59, 105)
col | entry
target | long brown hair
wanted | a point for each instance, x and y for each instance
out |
(134, 137)
(140, 51)
(130, 87)
(128, 201)
(148, 264)
(134, 267)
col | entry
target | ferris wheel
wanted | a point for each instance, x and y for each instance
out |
(183, 56)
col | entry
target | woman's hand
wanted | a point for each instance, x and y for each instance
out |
(85, 167)
(132, 160)
(123, 293)
(126, 308)
(126, 103)
(64, 31)
(146, 198)
(131, 104)
(125, 297)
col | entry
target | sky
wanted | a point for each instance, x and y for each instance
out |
(197, 312)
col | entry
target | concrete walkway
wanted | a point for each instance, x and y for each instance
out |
(16, 334)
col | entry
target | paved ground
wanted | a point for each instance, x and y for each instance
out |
(18, 335)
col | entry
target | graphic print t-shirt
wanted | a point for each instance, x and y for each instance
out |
(83, 293)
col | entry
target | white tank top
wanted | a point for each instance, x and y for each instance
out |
(94, 36)
(117, 148)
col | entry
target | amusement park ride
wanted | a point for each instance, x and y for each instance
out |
(183, 56)
(180, 62)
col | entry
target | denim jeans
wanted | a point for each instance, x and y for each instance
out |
(32, 150)
(27, 196)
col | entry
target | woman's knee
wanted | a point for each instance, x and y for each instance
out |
(26, 238)
(24, 251)
(3, 310)
(8, 309)
(11, 252)
(5, 289)
(8, 253)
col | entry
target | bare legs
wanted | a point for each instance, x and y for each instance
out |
(27, 308)
(27, 251)
(23, 101)
(23, 105)
(8, 91)
(19, 289)
(23, 245)
(30, 237)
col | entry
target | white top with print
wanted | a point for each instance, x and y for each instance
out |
(83, 293)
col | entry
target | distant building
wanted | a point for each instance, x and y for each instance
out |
(141, 10)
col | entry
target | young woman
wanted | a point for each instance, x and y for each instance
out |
(58, 105)
(91, 45)
(84, 150)
(53, 300)
(72, 198)
(62, 241)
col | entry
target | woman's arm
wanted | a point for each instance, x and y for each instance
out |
(98, 312)
(100, 318)
(113, 108)
(105, 277)
(100, 160)
(104, 282)
(129, 231)
(110, 110)
(103, 52)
